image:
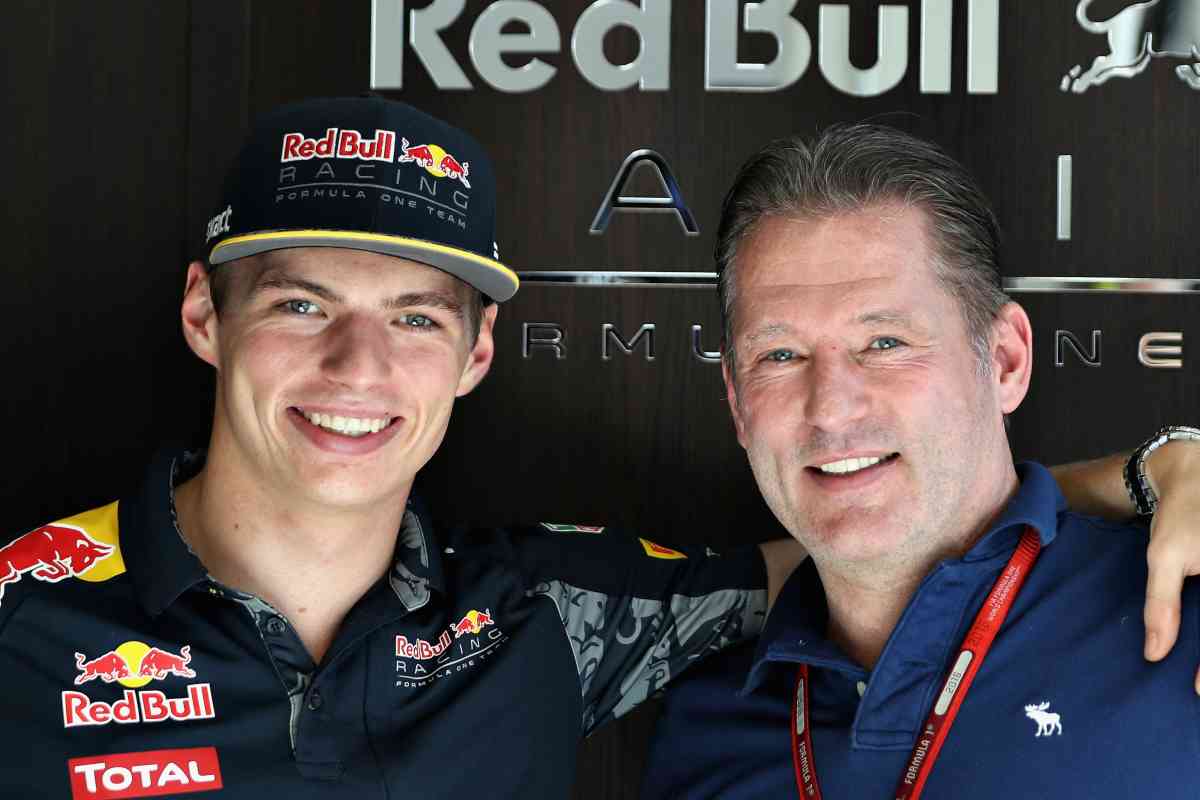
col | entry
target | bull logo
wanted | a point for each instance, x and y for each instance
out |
(157, 664)
(50, 553)
(1137, 34)
(109, 667)
(435, 160)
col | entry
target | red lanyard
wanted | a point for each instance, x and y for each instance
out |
(958, 682)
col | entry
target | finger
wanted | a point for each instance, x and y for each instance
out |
(1196, 685)
(1164, 588)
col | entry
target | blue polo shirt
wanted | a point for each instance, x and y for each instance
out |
(1071, 646)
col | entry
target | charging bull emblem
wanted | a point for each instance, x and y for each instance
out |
(1137, 34)
(50, 553)
(157, 664)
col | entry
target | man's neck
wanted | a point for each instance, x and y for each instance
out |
(866, 603)
(310, 562)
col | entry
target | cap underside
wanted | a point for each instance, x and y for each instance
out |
(487, 275)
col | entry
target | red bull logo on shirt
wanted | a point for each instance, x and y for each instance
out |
(134, 664)
(461, 646)
(50, 553)
(473, 622)
(435, 160)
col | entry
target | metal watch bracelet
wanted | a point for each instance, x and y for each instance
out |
(1136, 482)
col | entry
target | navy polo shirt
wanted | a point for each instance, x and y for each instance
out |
(472, 669)
(1063, 707)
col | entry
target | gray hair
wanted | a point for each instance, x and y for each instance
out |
(847, 168)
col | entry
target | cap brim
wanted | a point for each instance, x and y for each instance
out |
(487, 275)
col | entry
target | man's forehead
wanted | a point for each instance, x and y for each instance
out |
(836, 251)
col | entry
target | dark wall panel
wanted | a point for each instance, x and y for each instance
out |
(119, 120)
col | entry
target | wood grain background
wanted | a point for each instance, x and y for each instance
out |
(117, 120)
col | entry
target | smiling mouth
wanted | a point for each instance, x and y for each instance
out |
(849, 466)
(354, 427)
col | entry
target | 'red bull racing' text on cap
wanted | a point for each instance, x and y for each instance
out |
(367, 174)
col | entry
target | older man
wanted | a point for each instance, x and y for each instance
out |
(871, 360)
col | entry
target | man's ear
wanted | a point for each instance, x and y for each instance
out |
(198, 314)
(1012, 356)
(739, 424)
(479, 360)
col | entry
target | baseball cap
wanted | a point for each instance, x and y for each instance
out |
(364, 173)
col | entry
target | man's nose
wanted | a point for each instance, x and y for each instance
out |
(836, 390)
(357, 352)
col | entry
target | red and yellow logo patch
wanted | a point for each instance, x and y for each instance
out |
(84, 546)
(658, 551)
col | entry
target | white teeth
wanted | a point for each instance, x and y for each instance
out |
(349, 426)
(848, 465)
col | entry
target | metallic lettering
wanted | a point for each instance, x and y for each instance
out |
(833, 52)
(1064, 198)
(1064, 339)
(489, 43)
(708, 356)
(1152, 346)
(424, 29)
(937, 17)
(532, 338)
(983, 46)
(651, 70)
(609, 334)
(615, 201)
(723, 71)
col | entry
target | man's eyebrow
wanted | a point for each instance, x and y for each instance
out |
(768, 330)
(285, 282)
(446, 302)
(886, 316)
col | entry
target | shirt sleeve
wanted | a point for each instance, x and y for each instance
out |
(637, 613)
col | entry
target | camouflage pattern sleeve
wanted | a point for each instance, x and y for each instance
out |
(637, 613)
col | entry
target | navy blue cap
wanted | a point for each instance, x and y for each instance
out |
(367, 174)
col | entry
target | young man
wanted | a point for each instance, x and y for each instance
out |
(279, 614)
(872, 361)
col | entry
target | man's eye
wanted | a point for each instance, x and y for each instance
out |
(303, 307)
(885, 343)
(417, 321)
(779, 356)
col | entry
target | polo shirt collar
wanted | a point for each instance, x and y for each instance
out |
(796, 629)
(162, 567)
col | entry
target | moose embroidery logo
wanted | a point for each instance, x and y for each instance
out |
(1048, 723)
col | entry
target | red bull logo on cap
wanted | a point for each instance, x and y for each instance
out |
(435, 160)
(473, 622)
(50, 553)
(339, 144)
(134, 664)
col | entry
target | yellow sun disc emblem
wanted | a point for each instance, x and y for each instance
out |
(133, 653)
(436, 167)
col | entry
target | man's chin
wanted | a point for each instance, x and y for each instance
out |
(860, 537)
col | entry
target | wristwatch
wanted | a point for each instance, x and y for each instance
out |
(1136, 482)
